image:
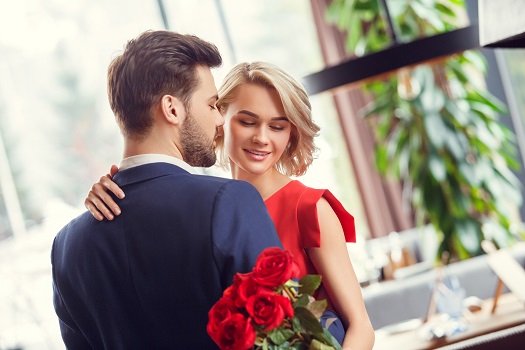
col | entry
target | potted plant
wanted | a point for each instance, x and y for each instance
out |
(437, 127)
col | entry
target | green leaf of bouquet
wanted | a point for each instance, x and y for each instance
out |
(330, 339)
(302, 301)
(317, 345)
(309, 283)
(296, 324)
(284, 346)
(317, 308)
(309, 322)
(279, 335)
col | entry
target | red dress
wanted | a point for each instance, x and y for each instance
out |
(294, 212)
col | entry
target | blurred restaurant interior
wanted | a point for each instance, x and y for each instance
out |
(421, 105)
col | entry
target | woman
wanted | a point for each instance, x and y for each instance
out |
(268, 137)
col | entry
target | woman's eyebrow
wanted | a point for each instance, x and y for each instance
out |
(254, 115)
(251, 114)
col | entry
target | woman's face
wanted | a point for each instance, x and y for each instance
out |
(256, 130)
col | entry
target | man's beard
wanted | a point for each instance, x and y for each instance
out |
(197, 149)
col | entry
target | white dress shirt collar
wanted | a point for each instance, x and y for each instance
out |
(142, 159)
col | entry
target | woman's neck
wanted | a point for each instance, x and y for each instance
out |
(267, 184)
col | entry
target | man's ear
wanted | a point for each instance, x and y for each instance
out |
(172, 109)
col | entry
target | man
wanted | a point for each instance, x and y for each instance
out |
(147, 279)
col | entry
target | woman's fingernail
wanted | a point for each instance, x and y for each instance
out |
(117, 211)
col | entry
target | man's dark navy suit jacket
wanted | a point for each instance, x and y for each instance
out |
(147, 279)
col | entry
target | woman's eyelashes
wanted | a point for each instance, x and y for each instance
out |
(246, 123)
(275, 127)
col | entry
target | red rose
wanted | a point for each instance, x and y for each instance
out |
(239, 278)
(235, 333)
(221, 311)
(269, 308)
(230, 292)
(274, 267)
(246, 288)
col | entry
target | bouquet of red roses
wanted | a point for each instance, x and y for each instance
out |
(268, 308)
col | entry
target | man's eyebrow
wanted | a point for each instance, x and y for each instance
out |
(254, 115)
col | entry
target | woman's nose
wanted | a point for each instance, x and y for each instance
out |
(261, 136)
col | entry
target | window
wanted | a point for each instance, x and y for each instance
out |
(58, 135)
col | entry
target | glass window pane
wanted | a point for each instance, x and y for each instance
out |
(59, 135)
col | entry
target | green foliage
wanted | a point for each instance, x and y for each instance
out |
(309, 283)
(308, 320)
(303, 331)
(280, 335)
(437, 127)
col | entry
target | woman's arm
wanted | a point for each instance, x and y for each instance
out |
(340, 282)
(99, 202)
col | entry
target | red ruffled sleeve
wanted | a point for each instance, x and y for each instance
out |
(309, 222)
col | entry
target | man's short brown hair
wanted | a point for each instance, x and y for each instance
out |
(154, 64)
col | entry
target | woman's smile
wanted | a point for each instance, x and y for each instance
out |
(257, 155)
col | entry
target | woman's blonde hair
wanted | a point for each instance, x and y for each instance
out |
(301, 149)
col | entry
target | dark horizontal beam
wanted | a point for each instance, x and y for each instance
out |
(374, 65)
(512, 42)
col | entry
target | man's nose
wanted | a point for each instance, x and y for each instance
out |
(219, 119)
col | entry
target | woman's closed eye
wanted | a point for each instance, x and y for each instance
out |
(246, 123)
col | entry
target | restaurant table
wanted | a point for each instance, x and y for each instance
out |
(510, 312)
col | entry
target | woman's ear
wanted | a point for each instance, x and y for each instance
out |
(172, 109)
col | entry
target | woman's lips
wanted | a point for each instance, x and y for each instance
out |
(257, 155)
